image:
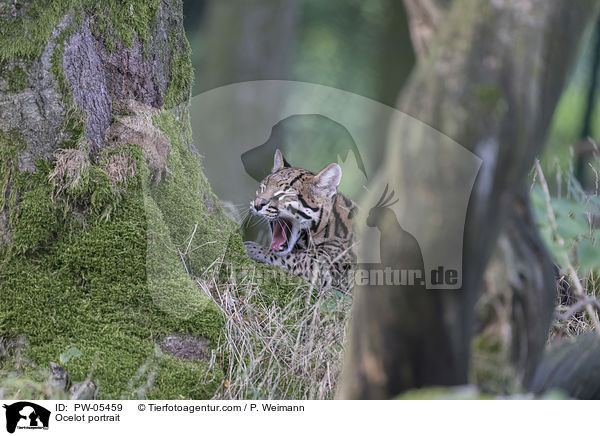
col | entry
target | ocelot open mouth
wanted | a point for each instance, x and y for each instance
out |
(281, 230)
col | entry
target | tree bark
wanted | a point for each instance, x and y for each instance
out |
(491, 82)
(513, 284)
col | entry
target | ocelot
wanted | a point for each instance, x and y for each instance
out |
(310, 222)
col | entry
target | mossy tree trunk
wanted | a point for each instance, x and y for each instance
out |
(100, 183)
(491, 79)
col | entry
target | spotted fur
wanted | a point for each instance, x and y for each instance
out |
(317, 221)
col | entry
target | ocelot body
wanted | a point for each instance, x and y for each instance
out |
(310, 222)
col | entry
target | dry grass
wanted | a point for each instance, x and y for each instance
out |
(120, 168)
(274, 352)
(571, 316)
(69, 169)
(137, 127)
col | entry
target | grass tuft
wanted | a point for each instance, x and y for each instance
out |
(291, 349)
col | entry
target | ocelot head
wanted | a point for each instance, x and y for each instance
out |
(295, 202)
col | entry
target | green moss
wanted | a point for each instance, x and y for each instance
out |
(110, 288)
(78, 186)
(36, 223)
(172, 290)
(124, 19)
(181, 72)
(181, 80)
(491, 369)
(182, 198)
(182, 379)
(74, 125)
(17, 79)
(102, 29)
(103, 197)
(91, 291)
(18, 387)
(11, 144)
(26, 31)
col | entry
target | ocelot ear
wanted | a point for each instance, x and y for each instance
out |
(279, 162)
(328, 179)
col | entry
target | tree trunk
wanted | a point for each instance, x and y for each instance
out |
(491, 83)
(100, 186)
(506, 341)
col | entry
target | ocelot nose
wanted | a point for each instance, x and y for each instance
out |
(259, 203)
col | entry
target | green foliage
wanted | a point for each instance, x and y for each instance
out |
(69, 354)
(353, 49)
(573, 216)
(567, 123)
(565, 130)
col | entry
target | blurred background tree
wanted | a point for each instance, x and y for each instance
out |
(359, 46)
(368, 48)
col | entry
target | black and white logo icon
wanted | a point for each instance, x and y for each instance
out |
(26, 415)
